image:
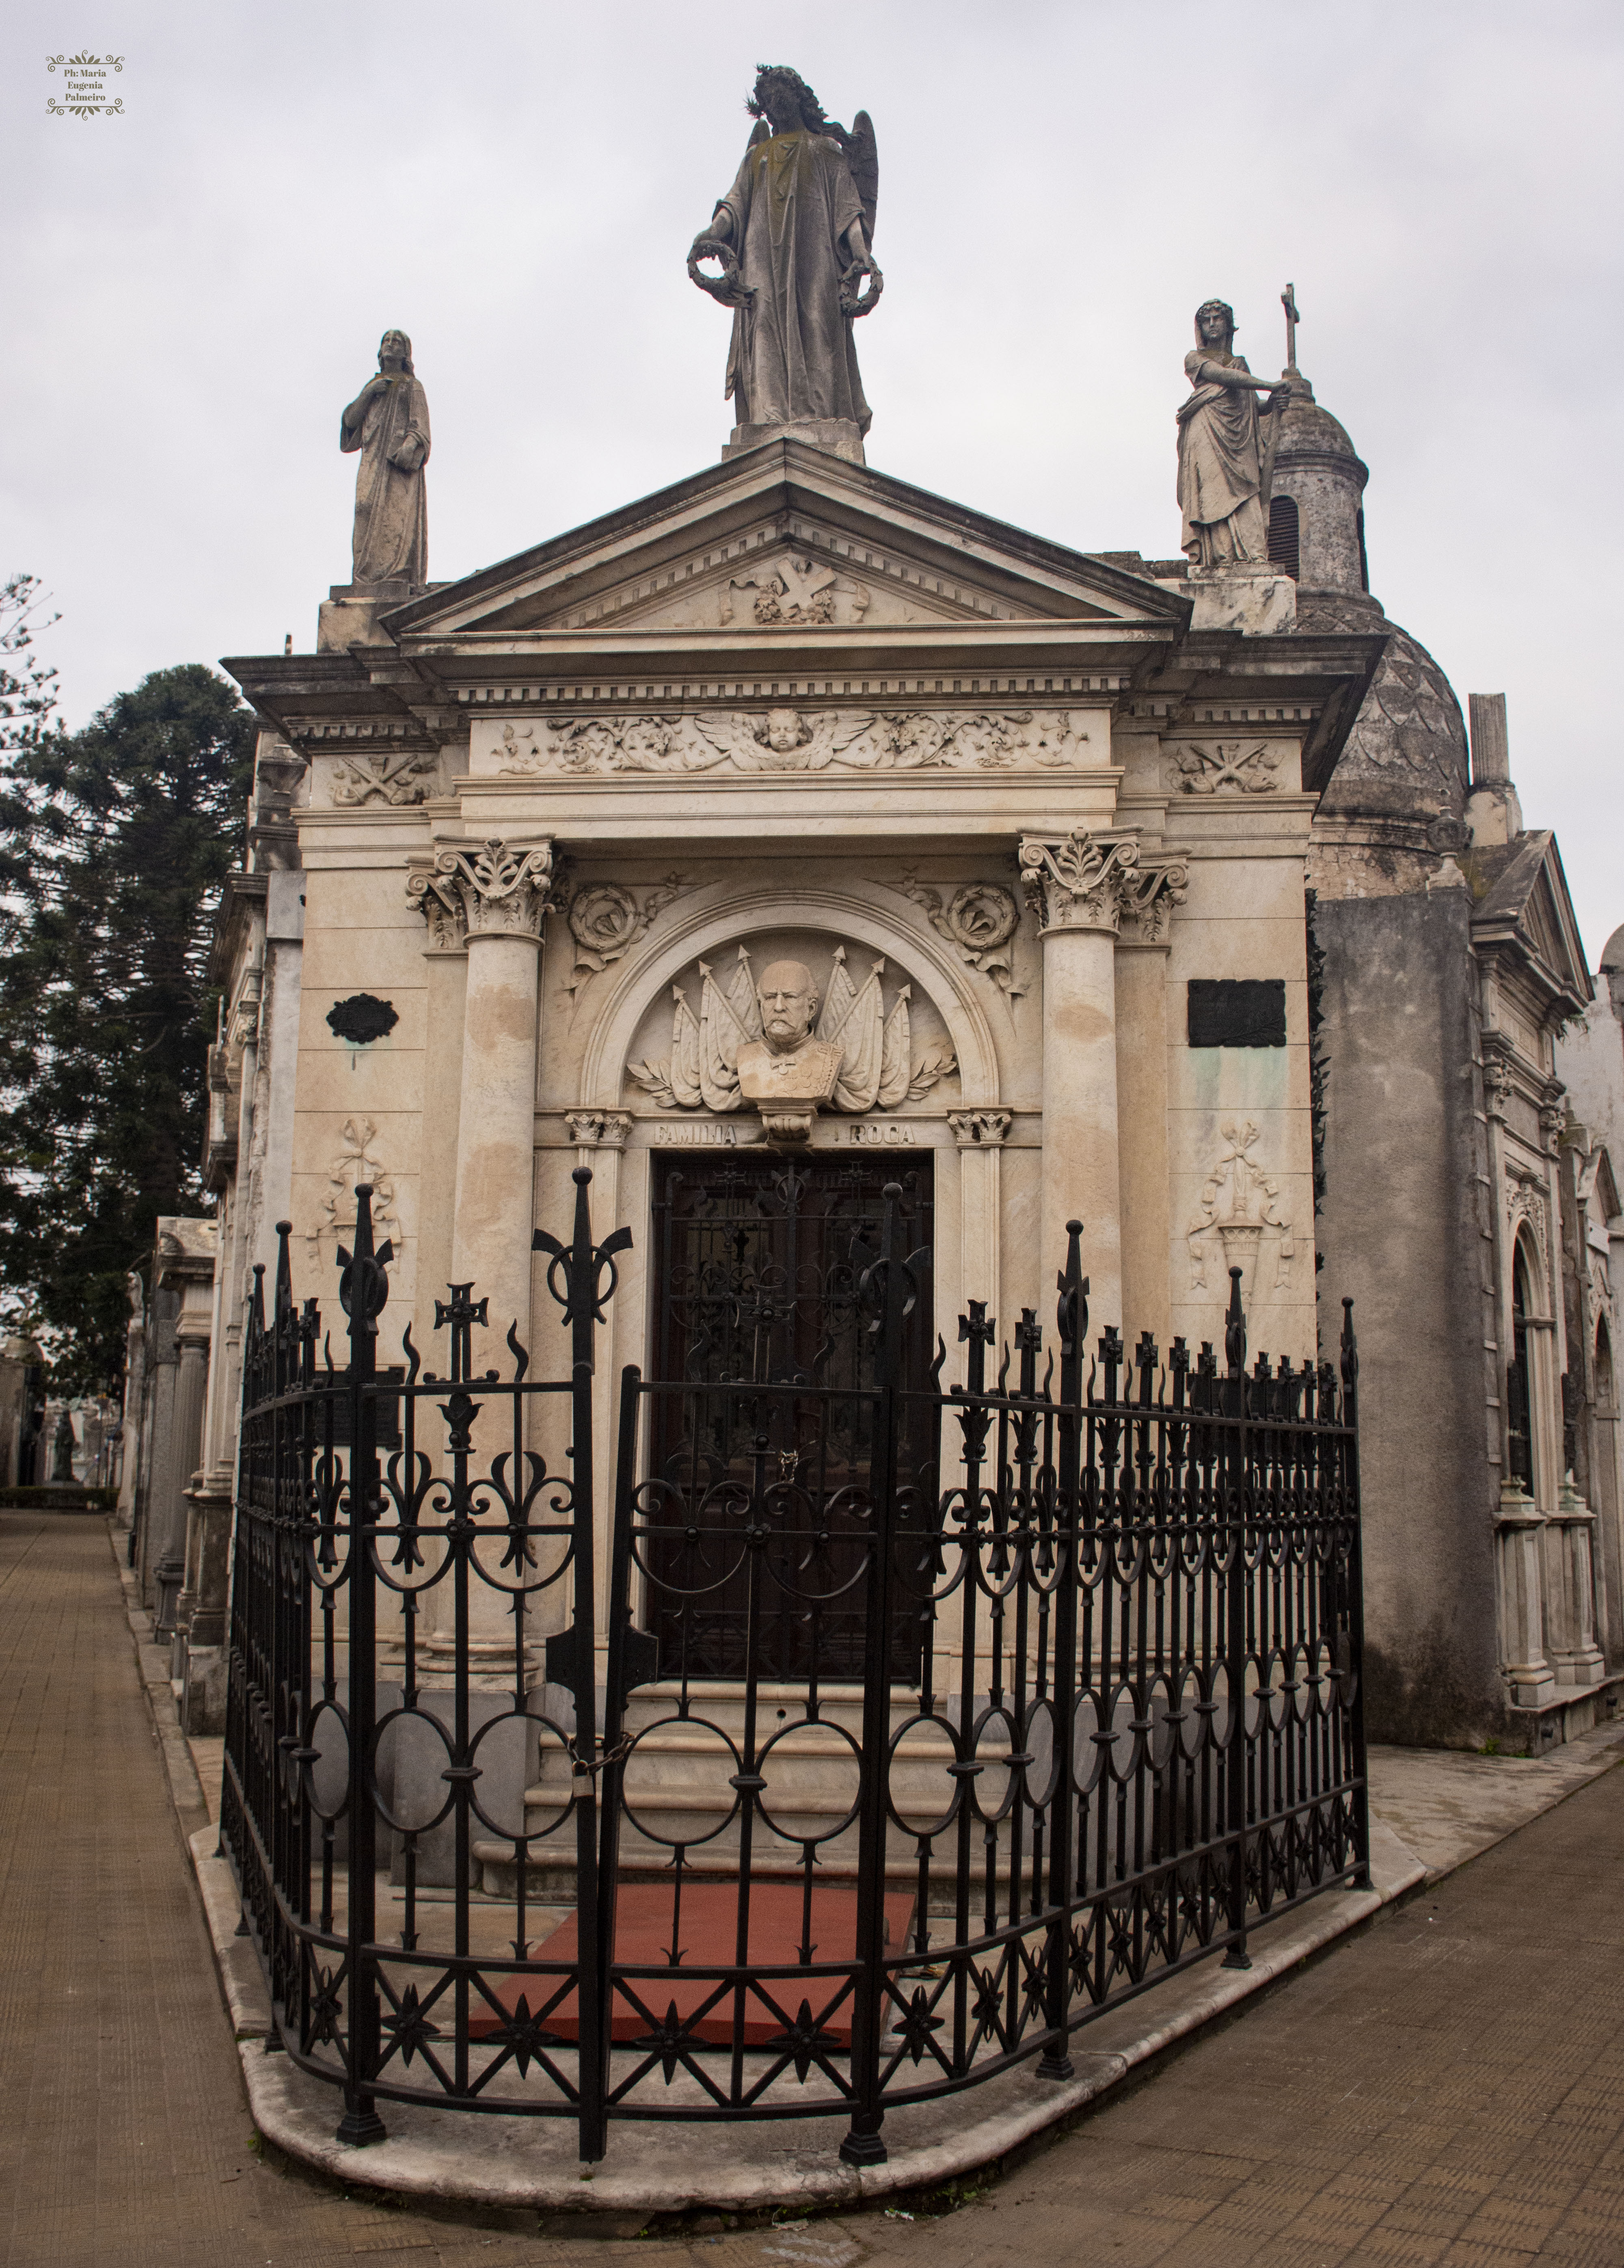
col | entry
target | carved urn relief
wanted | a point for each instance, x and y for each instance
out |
(789, 1030)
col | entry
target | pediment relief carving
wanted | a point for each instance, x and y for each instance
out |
(790, 1028)
(770, 577)
(786, 740)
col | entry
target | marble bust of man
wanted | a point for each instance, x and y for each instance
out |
(786, 1064)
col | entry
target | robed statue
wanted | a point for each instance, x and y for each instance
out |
(793, 238)
(1224, 453)
(388, 423)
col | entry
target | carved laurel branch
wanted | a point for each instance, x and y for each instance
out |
(786, 740)
(1095, 881)
(490, 889)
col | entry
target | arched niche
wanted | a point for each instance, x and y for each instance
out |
(764, 910)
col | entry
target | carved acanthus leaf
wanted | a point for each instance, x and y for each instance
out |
(1094, 881)
(489, 888)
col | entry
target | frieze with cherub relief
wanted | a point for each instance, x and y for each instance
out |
(786, 740)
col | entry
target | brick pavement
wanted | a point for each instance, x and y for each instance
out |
(1446, 2087)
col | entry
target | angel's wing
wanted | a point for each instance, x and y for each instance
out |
(729, 736)
(831, 735)
(863, 159)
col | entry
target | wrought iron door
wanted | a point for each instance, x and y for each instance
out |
(756, 1284)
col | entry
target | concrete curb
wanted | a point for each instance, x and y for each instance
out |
(774, 2164)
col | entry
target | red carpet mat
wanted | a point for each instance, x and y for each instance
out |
(706, 1940)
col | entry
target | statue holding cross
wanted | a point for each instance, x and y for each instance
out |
(1224, 454)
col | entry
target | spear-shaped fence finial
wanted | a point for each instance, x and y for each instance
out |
(364, 1287)
(1235, 1330)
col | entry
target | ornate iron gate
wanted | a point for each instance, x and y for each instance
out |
(1127, 1725)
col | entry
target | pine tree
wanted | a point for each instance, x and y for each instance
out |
(115, 841)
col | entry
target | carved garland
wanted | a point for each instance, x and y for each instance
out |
(606, 920)
(978, 919)
(356, 1160)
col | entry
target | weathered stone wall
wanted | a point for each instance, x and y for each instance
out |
(1399, 1232)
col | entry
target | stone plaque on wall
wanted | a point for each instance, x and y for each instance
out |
(1230, 1011)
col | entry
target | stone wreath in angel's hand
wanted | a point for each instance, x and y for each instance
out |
(726, 287)
(854, 300)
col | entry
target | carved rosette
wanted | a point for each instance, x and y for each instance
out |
(1082, 881)
(488, 889)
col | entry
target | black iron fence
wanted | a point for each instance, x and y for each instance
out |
(506, 1849)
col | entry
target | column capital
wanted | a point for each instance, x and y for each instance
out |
(493, 888)
(1095, 881)
(981, 1129)
(599, 1129)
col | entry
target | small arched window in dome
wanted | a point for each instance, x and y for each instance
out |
(1283, 537)
(1365, 564)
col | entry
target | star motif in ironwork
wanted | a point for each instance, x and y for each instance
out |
(988, 2006)
(804, 2041)
(667, 2040)
(525, 2035)
(324, 2008)
(1119, 1937)
(917, 2024)
(411, 2029)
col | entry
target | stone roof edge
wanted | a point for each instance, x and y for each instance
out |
(1137, 592)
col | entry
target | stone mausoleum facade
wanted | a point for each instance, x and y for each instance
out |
(1171, 897)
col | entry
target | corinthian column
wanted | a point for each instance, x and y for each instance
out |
(497, 894)
(1081, 887)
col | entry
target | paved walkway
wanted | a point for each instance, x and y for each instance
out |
(1447, 2087)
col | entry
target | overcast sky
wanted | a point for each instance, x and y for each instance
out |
(194, 289)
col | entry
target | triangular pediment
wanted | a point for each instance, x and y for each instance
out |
(1528, 904)
(785, 536)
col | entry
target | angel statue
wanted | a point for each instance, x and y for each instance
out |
(792, 238)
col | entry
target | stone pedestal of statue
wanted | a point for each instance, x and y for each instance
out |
(1253, 595)
(348, 614)
(839, 436)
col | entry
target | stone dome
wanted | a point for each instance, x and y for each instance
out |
(1612, 961)
(1316, 511)
(1405, 758)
